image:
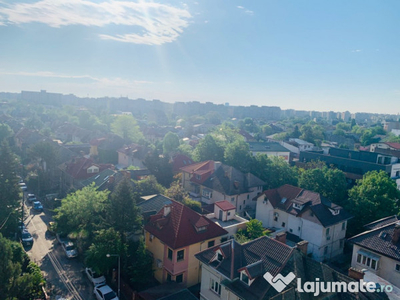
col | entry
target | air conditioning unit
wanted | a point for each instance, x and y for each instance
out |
(159, 264)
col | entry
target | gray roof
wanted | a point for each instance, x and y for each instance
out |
(267, 147)
(99, 179)
(381, 222)
(153, 203)
(230, 181)
(276, 258)
(379, 240)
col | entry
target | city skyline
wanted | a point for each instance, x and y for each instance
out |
(303, 55)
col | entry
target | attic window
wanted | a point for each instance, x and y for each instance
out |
(334, 212)
(244, 277)
(198, 177)
(297, 206)
(283, 200)
(383, 235)
(219, 257)
(201, 229)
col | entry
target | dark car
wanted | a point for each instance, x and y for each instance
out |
(26, 238)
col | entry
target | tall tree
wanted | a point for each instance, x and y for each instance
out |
(127, 128)
(274, 171)
(209, 148)
(9, 190)
(375, 196)
(140, 263)
(124, 215)
(237, 154)
(160, 167)
(170, 143)
(331, 183)
(5, 132)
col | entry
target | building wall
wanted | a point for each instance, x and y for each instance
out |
(156, 247)
(386, 266)
(205, 290)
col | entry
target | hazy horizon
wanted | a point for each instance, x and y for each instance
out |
(304, 55)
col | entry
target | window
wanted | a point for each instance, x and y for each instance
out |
(229, 213)
(207, 194)
(240, 207)
(179, 278)
(327, 231)
(343, 225)
(298, 228)
(233, 199)
(397, 267)
(369, 261)
(244, 202)
(198, 177)
(244, 278)
(326, 250)
(248, 197)
(170, 254)
(283, 224)
(169, 277)
(151, 237)
(180, 255)
(276, 218)
(291, 230)
(215, 287)
(211, 243)
(220, 257)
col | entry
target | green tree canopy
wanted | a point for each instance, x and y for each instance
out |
(209, 148)
(330, 183)
(170, 143)
(5, 132)
(124, 215)
(237, 154)
(127, 128)
(375, 196)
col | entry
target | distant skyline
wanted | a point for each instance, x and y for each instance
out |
(305, 54)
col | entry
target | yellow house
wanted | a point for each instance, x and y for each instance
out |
(174, 235)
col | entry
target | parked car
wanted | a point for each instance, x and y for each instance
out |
(31, 198)
(104, 292)
(51, 227)
(26, 238)
(96, 279)
(69, 249)
(22, 186)
(37, 206)
(21, 226)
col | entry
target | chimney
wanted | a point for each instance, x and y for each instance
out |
(281, 237)
(302, 246)
(217, 164)
(396, 233)
(167, 210)
(356, 274)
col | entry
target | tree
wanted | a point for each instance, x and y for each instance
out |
(274, 171)
(254, 230)
(46, 153)
(209, 149)
(237, 154)
(213, 117)
(185, 149)
(330, 183)
(139, 263)
(160, 167)
(106, 241)
(170, 143)
(124, 215)
(5, 132)
(127, 128)
(177, 193)
(375, 196)
(148, 186)
(9, 190)
(82, 213)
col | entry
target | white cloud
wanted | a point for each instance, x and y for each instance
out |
(356, 51)
(154, 23)
(249, 12)
(240, 7)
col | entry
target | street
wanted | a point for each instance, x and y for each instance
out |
(65, 279)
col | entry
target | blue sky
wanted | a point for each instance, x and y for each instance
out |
(302, 54)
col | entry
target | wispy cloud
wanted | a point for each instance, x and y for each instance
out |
(246, 11)
(154, 23)
(356, 51)
(114, 82)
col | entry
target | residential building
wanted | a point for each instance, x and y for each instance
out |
(173, 236)
(211, 181)
(224, 216)
(305, 215)
(378, 249)
(385, 145)
(131, 155)
(179, 161)
(270, 149)
(233, 271)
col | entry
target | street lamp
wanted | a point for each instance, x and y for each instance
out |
(119, 273)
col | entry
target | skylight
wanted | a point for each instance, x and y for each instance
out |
(283, 200)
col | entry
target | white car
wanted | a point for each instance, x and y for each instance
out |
(104, 292)
(31, 198)
(23, 186)
(95, 278)
(69, 249)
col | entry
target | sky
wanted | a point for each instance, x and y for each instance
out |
(296, 54)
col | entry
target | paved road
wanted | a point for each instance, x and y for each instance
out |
(64, 277)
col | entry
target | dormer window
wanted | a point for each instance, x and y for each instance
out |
(335, 212)
(283, 200)
(201, 229)
(297, 206)
(219, 257)
(198, 177)
(244, 277)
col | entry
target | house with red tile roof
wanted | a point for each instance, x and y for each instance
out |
(180, 161)
(131, 155)
(173, 236)
(305, 215)
(212, 181)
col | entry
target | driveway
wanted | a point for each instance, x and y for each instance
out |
(64, 278)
